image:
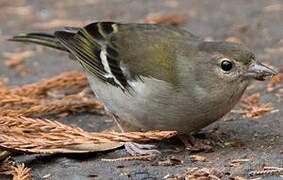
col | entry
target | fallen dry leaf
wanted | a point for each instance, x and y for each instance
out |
(19, 10)
(240, 27)
(265, 164)
(160, 18)
(274, 80)
(272, 8)
(252, 99)
(172, 4)
(274, 51)
(92, 176)
(233, 39)
(197, 158)
(46, 176)
(238, 162)
(236, 178)
(170, 161)
(14, 59)
(54, 23)
(249, 107)
(226, 119)
(237, 144)
(23, 71)
(200, 146)
(120, 166)
(204, 173)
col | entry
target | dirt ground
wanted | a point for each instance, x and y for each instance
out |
(256, 23)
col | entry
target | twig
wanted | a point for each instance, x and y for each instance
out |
(53, 107)
(129, 158)
(8, 100)
(267, 170)
(65, 80)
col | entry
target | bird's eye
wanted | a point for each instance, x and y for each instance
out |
(226, 65)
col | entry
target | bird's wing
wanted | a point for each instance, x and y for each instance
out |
(117, 53)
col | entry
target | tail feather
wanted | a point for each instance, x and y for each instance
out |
(44, 39)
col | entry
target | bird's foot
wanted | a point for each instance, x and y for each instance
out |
(193, 144)
(136, 149)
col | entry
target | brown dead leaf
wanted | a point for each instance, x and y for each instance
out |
(202, 174)
(23, 71)
(272, 8)
(46, 176)
(2, 85)
(170, 161)
(233, 39)
(275, 79)
(242, 28)
(200, 146)
(18, 10)
(257, 111)
(238, 162)
(14, 59)
(249, 107)
(236, 178)
(226, 119)
(128, 174)
(265, 164)
(197, 158)
(274, 51)
(172, 4)
(92, 176)
(120, 166)
(252, 99)
(174, 178)
(54, 23)
(160, 18)
(237, 144)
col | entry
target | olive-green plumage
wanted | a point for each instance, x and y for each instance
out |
(158, 76)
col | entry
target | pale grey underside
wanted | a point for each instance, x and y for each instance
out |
(155, 105)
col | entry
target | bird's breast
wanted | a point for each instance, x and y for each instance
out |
(153, 104)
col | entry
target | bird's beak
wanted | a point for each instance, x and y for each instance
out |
(259, 71)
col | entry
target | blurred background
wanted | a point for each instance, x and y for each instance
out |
(256, 23)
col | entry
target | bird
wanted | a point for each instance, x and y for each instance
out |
(157, 77)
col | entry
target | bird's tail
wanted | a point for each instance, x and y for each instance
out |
(44, 39)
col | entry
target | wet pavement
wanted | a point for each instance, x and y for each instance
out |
(256, 23)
